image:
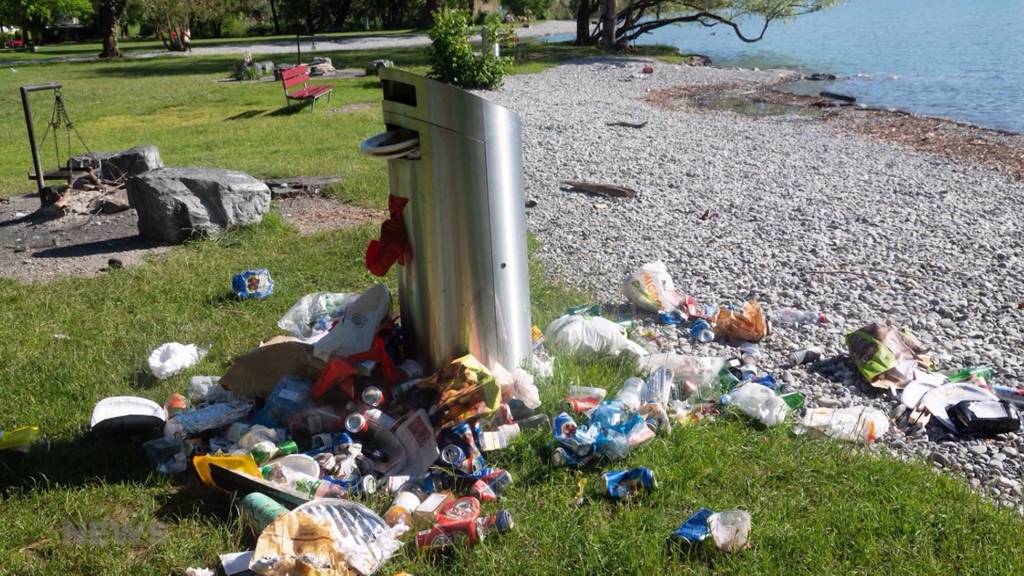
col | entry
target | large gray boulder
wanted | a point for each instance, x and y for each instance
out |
(113, 165)
(175, 204)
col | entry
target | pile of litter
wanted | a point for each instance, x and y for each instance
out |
(305, 425)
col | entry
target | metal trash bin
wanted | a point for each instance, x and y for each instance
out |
(466, 286)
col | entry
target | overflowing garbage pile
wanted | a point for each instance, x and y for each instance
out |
(335, 410)
(305, 424)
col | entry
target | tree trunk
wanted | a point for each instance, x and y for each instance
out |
(108, 15)
(427, 19)
(608, 25)
(583, 23)
(273, 15)
(343, 13)
(309, 17)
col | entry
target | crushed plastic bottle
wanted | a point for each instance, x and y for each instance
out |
(796, 317)
(630, 393)
(854, 424)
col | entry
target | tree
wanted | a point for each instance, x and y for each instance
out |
(634, 18)
(32, 15)
(110, 13)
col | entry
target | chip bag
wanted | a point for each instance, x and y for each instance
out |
(885, 356)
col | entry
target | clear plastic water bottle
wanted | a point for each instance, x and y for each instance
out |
(795, 317)
(630, 393)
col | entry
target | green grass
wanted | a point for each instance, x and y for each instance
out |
(179, 105)
(818, 507)
(92, 48)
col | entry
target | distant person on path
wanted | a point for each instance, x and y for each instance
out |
(186, 40)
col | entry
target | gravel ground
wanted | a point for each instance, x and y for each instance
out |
(801, 214)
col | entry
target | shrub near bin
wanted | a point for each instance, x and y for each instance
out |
(453, 60)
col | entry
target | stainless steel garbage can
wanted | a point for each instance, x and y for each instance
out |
(466, 286)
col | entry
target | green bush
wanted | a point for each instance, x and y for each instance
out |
(245, 71)
(452, 59)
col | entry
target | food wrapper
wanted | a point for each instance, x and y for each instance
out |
(467, 389)
(748, 324)
(298, 544)
(885, 356)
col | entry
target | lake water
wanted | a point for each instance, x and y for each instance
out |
(960, 59)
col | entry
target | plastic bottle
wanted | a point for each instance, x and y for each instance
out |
(965, 374)
(657, 388)
(199, 387)
(176, 404)
(796, 317)
(629, 394)
(402, 508)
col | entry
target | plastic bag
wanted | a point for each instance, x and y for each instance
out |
(517, 385)
(748, 324)
(855, 424)
(759, 402)
(730, 529)
(173, 357)
(20, 439)
(593, 335)
(330, 535)
(314, 313)
(651, 288)
(885, 356)
(355, 331)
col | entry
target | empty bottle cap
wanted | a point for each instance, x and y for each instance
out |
(368, 484)
(373, 396)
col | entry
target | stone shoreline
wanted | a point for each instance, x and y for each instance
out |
(793, 210)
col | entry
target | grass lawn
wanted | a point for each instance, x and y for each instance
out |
(818, 507)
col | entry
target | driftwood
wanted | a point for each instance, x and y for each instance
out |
(597, 189)
(628, 124)
(836, 96)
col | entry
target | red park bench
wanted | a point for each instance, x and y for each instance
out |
(300, 75)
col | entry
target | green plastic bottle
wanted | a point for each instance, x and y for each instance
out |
(965, 374)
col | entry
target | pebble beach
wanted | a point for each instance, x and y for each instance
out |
(791, 211)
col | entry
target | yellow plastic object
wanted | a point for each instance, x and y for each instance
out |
(19, 438)
(238, 462)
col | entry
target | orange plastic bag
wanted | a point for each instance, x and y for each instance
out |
(747, 324)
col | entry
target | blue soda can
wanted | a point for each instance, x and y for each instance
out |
(701, 330)
(695, 529)
(623, 484)
(564, 426)
(253, 284)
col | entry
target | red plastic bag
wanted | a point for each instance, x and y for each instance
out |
(393, 245)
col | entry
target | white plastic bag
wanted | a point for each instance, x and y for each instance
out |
(575, 334)
(173, 357)
(854, 424)
(730, 529)
(516, 385)
(312, 315)
(759, 402)
(651, 288)
(357, 328)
